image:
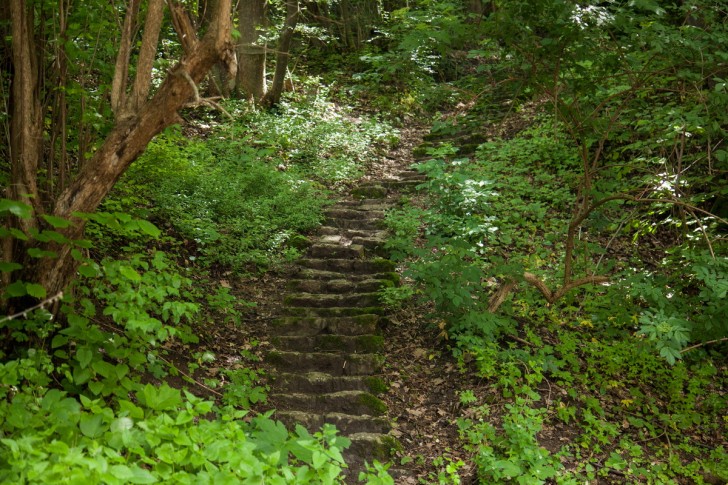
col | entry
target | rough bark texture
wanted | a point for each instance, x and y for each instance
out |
(251, 56)
(26, 113)
(273, 96)
(126, 141)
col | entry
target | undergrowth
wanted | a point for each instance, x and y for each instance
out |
(603, 365)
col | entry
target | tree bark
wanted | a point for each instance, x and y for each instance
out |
(125, 142)
(250, 79)
(26, 129)
(273, 97)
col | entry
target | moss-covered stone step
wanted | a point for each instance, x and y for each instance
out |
(411, 175)
(353, 212)
(365, 204)
(336, 364)
(369, 447)
(369, 191)
(349, 266)
(331, 300)
(340, 233)
(352, 325)
(329, 343)
(317, 274)
(337, 285)
(395, 184)
(363, 223)
(345, 423)
(357, 403)
(331, 312)
(336, 251)
(320, 382)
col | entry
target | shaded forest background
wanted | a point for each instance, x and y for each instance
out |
(568, 248)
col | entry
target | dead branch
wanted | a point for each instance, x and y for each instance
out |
(702, 344)
(199, 101)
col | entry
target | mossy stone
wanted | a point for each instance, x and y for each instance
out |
(274, 357)
(376, 385)
(386, 448)
(373, 403)
(370, 343)
(369, 192)
(299, 242)
(330, 342)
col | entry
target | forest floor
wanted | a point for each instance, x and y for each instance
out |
(424, 380)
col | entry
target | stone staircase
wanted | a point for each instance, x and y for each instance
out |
(327, 343)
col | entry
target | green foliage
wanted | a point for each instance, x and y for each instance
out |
(73, 406)
(241, 197)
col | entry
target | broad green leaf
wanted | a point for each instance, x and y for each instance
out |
(104, 368)
(35, 290)
(130, 273)
(149, 228)
(92, 425)
(40, 253)
(509, 468)
(18, 234)
(6, 267)
(16, 289)
(57, 222)
(141, 476)
(160, 398)
(96, 387)
(88, 270)
(24, 211)
(84, 356)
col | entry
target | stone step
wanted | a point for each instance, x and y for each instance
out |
(411, 175)
(363, 223)
(330, 300)
(331, 312)
(368, 447)
(320, 382)
(353, 213)
(309, 326)
(345, 423)
(336, 251)
(388, 185)
(357, 403)
(350, 233)
(350, 266)
(330, 343)
(365, 204)
(317, 274)
(336, 364)
(370, 190)
(337, 285)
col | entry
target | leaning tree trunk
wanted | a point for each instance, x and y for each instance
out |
(273, 97)
(138, 120)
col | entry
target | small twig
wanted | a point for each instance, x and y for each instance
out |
(217, 393)
(202, 101)
(24, 313)
(702, 344)
(519, 339)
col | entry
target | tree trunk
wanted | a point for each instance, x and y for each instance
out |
(273, 97)
(143, 118)
(250, 82)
